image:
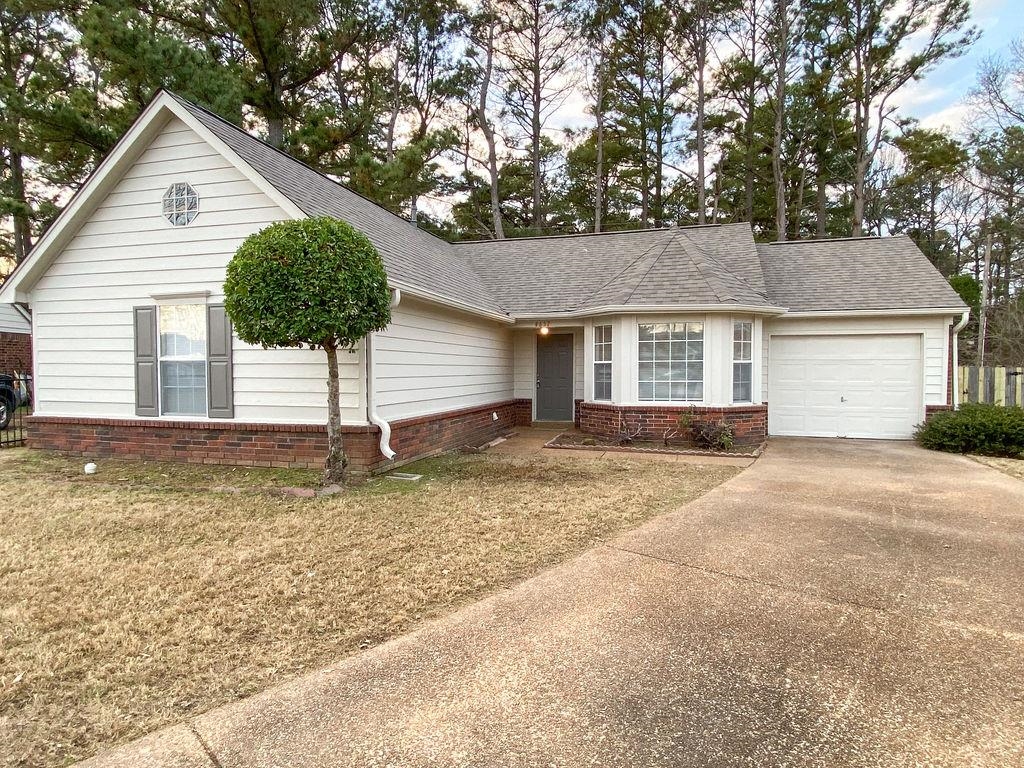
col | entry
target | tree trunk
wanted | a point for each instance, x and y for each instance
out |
(535, 122)
(821, 206)
(780, 117)
(22, 223)
(599, 141)
(702, 47)
(488, 132)
(337, 463)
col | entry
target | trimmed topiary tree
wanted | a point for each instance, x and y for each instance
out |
(312, 282)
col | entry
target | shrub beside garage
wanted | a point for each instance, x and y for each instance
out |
(986, 430)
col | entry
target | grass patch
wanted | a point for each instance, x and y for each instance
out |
(1011, 467)
(150, 592)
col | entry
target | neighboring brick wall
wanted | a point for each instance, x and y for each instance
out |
(268, 445)
(576, 413)
(749, 422)
(15, 352)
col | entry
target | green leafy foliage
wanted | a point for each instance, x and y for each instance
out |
(969, 290)
(987, 430)
(316, 282)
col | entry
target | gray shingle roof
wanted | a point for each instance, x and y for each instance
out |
(854, 274)
(715, 264)
(692, 265)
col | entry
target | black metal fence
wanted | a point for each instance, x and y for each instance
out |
(15, 407)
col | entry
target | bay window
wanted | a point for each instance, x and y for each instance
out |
(671, 362)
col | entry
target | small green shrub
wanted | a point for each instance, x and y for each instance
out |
(987, 430)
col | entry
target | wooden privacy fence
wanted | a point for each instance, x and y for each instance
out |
(992, 384)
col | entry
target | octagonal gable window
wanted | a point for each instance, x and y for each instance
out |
(181, 204)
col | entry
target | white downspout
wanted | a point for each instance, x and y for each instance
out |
(371, 406)
(956, 357)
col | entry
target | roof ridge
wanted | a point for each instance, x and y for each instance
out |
(727, 270)
(668, 242)
(606, 233)
(624, 269)
(699, 267)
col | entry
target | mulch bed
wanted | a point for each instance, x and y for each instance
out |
(583, 442)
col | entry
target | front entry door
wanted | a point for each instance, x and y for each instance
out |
(554, 377)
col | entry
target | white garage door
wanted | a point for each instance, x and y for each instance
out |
(845, 386)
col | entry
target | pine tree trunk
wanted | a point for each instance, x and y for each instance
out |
(22, 223)
(337, 463)
(821, 206)
(699, 129)
(780, 118)
(599, 141)
(488, 132)
(537, 95)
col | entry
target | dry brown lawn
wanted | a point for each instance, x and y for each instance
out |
(147, 593)
(1012, 467)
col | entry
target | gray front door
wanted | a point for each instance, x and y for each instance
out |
(554, 377)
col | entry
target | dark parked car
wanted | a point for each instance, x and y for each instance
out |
(14, 393)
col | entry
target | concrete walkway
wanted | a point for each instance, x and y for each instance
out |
(532, 441)
(836, 604)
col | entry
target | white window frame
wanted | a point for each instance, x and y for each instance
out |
(604, 345)
(748, 361)
(685, 361)
(161, 358)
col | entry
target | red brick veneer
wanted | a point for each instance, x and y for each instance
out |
(15, 352)
(271, 445)
(749, 422)
(931, 410)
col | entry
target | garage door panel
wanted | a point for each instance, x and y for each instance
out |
(845, 386)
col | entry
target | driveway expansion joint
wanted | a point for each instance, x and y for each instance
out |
(759, 582)
(202, 743)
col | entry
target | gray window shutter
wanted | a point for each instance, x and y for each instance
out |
(219, 382)
(147, 401)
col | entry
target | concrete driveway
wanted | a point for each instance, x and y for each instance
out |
(836, 604)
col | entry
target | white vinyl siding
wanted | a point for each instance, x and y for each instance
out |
(126, 253)
(12, 321)
(934, 332)
(431, 360)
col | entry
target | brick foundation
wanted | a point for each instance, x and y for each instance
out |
(15, 352)
(931, 410)
(272, 445)
(749, 422)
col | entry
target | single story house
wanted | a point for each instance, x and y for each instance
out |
(134, 355)
(15, 340)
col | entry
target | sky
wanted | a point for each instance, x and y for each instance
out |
(938, 99)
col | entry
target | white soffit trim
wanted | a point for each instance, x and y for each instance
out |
(445, 301)
(146, 126)
(932, 311)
